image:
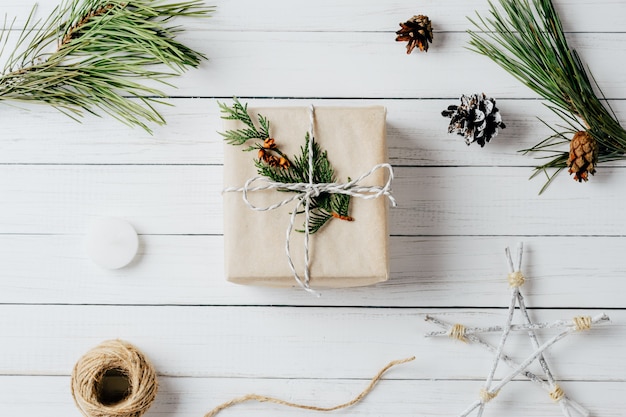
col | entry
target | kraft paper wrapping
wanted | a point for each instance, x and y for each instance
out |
(343, 254)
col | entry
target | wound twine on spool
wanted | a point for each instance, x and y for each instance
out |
(263, 398)
(114, 379)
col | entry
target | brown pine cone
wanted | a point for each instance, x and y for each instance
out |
(583, 156)
(417, 31)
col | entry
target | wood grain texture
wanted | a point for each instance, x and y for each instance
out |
(292, 342)
(360, 16)
(365, 65)
(425, 271)
(432, 201)
(458, 208)
(416, 134)
(182, 397)
(368, 65)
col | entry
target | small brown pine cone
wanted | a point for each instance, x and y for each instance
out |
(417, 31)
(272, 160)
(284, 162)
(583, 156)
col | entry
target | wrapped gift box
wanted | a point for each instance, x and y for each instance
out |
(343, 253)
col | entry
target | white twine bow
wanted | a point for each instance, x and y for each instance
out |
(307, 191)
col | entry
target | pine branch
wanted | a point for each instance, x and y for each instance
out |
(526, 38)
(280, 169)
(100, 50)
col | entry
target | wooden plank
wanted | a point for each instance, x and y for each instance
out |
(183, 397)
(425, 271)
(370, 15)
(366, 65)
(211, 340)
(354, 15)
(369, 65)
(431, 200)
(293, 342)
(416, 134)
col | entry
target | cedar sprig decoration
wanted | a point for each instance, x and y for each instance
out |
(526, 38)
(240, 112)
(92, 55)
(272, 163)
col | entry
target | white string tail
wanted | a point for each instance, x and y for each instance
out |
(305, 192)
(307, 208)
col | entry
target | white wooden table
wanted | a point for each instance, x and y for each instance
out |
(458, 208)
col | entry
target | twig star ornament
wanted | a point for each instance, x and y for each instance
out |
(491, 389)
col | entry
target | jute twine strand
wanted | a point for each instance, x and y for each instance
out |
(307, 191)
(263, 398)
(582, 323)
(486, 395)
(123, 359)
(557, 394)
(458, 332)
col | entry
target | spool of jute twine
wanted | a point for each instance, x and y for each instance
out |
(114, 379)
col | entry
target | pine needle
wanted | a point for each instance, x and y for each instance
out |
(526, 38)
(94, 55)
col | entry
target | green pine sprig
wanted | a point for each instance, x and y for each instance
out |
(240, 136)
(94, 56)
(526, 38)
(324, 207)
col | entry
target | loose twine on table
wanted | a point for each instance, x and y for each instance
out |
(263, 398)
(305, 193)
(124, 360)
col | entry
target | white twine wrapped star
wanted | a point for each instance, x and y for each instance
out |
(490, 390)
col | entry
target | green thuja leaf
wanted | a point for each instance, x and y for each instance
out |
(240, 136)
(323, 207)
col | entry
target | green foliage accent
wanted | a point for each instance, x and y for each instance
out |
(240, 136)
(89, 55)
(526, 38)
(323, 206)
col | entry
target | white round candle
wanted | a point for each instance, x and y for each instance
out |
(112, 243)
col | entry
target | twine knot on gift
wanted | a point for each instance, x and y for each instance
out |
(305, 192)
